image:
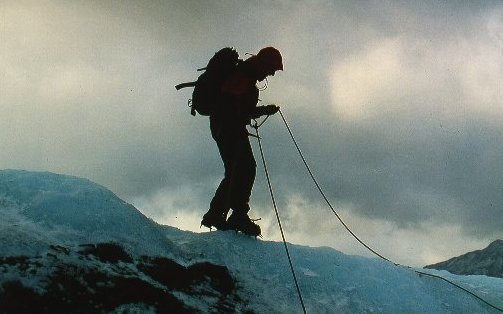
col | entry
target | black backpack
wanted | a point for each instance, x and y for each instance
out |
(207, 88)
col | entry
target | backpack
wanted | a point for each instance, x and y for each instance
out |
(206, 93)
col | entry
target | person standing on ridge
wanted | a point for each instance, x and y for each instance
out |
(236, 107)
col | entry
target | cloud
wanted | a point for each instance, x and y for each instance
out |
(396, 106)
(422, 112)
(362, 83)
(398, 74)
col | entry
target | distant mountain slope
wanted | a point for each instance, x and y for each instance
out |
(488, 261)
(69, 245)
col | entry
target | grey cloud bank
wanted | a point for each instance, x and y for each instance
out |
(397, 105)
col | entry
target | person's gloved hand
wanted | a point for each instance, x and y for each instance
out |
(264, 111)
(270, 109)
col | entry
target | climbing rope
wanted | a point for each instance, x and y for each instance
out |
(256, 127)
(357, 238)
(323, 194)
(457, 286)
(420, 273)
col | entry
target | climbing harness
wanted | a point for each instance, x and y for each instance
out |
(256, 126)
(263, 87)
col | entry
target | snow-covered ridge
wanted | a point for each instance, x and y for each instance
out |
(48, 208)
(52, 222)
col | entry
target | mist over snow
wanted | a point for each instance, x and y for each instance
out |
(52, 222)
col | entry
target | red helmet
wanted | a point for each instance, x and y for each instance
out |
(271, 57)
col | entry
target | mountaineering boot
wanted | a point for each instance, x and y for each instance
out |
(241, 222)
(214, 219)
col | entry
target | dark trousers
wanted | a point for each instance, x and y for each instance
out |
(235, 149)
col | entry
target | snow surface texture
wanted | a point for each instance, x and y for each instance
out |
(39, 209)
(44, 211)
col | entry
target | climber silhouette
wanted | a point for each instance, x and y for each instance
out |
(237, 106)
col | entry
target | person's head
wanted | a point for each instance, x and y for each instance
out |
(268, 61)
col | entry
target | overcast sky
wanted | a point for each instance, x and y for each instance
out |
(398, 107)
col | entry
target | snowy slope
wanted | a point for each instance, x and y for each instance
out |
(47, 208)
(332, 282)
(67, 243)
